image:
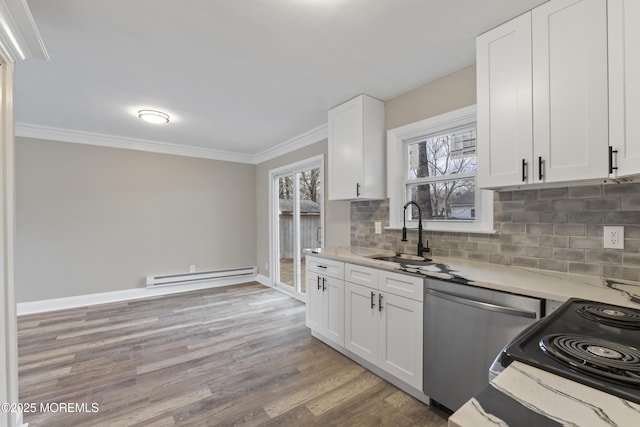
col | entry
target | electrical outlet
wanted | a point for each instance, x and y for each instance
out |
(613, 237)
(378, 227)
(192, 268)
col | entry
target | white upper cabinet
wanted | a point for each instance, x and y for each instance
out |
(505, 134)
(555, 99)
(624, 87)
(356, 150)
(570, 95)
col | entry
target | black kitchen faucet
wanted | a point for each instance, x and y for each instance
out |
(421, 249)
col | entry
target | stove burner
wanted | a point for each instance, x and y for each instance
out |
(596, 356)
(604, 352)
(621, 317)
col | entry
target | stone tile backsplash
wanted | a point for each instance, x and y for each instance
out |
(556, 229)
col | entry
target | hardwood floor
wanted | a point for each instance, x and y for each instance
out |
(237, 355)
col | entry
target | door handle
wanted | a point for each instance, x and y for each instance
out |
(611, 167)
(318, 282)
(357, 189)
(373, 300)
(379, 302)
(540, 166)
(524, 170)
(324, 288)
(483, 305)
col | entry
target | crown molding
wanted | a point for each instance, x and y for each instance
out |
(311, 137)
(79, 137)
(19, 36)
(26, 130)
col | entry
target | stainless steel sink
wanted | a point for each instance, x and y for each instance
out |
(403, 259)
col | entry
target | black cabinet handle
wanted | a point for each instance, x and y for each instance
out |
(373, 300)
(611, 167)
(524, 170)
(379, 302)
(318, 282)
(357, 189)
(324, 288)
(540, 166)
(322, 266)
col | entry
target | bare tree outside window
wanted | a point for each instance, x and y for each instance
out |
(441, 175)
(309, 185)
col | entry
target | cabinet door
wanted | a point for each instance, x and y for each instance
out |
(624, 85)
(361, 327)
(400, 339)
(570, 95)
(334, 309)
(505, 118)
(346, 136)
(315, 302)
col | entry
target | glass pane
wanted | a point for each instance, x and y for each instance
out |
(310, 224)
(285, 228)
(453, 152)
(444, 200)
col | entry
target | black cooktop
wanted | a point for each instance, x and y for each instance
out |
(590, 342)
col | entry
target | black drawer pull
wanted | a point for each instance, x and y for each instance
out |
(373, 300)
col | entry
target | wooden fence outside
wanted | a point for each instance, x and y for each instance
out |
(309, 233)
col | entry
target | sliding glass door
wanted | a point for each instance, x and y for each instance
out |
(297, 225)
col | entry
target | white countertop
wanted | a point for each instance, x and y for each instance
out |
(536, 283)
(521, 387)
(559, 400)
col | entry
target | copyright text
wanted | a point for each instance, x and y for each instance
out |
(52, 407)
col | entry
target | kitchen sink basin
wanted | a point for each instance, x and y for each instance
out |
(403, 259)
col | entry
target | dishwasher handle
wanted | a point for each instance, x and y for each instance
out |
(483, 305)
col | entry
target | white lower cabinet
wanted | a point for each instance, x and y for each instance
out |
(361, 321)
(386, 330)
(325, 303)
(325, 308)
(400, 338)
(373, 313)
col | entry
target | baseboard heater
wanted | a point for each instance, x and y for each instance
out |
(177, 279)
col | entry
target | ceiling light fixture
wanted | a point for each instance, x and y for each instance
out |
(153, 116)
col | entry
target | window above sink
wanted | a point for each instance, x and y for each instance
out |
(433, 162)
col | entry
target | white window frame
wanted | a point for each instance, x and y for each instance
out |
(396, 160)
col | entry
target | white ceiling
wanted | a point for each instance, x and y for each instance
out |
(237, 76)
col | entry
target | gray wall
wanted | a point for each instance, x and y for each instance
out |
(93, 219)
(336, 213)
(449, 93)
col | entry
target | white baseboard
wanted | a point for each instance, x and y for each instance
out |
(42, 306)
(265, 280)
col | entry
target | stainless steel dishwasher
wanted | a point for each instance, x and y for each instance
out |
(465, 327)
